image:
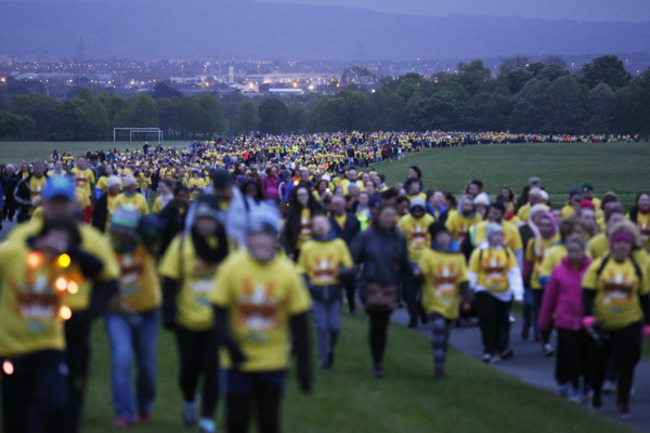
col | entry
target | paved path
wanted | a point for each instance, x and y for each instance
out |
(532, 367)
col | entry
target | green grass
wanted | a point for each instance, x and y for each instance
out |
(16, 151)
(620, 167)
(475, 397)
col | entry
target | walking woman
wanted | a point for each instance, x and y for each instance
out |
(297, 230)
(562, 307)
(188, 270)
(382, 253)
(615, 295)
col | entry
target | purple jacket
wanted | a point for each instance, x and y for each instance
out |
(270, 188)
(563, 297)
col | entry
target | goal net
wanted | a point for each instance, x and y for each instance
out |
(132, 131)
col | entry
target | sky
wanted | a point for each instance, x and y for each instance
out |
(588, 10)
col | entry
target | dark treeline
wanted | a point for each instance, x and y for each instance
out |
(542, 97)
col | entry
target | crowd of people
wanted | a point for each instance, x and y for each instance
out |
(238, 247)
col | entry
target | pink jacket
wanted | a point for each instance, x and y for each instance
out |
(563, 297)
(270, 188)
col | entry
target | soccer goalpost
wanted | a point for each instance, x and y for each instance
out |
(157, 131)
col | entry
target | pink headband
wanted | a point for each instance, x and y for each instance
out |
(620, 236)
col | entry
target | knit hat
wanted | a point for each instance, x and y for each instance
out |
(537, 208)
(587, 204)
(482, 198)
(113, 180)
(130, 180)
(417, 202)
(587, 187)
(59, 186)
(620, 236)
(574, 192)
(534, 180)
(221, 179)
(125, 217)
(491, 229)
(264, 219)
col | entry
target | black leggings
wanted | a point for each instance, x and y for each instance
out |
(494, 321)
(197, 352)
(266, 395)
(624, 345)
(77, 357)
(570, 359)
(378, 335)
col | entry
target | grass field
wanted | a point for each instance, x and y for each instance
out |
(474, 398)
(620, 167)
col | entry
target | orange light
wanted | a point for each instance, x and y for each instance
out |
(73, 288)
(64, 260)
(65, 312)
(33, 260)
(8, 368)
(61, 284)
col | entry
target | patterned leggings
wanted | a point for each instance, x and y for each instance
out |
(440, 340)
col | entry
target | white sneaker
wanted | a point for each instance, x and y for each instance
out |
(495, 359)
(486, 358)
(609, 387)
(207, 425)
(547, 349)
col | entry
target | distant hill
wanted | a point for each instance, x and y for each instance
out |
(220, 29)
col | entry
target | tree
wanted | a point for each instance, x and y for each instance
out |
(210, 115)
(328, 115)
(564, 107)
(246, 119)
(273, 115)
(600, 101)
(388, 110)
(606, 69)
(164, 89)
(94, 122)
(357, 78)
(188, 113)
(473, 76)
(140, 111)
(526, 106)
(297, 116)
(46, 113)
(491, 110)
(632, 109)
(113, 105)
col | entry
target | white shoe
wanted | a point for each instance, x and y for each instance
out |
(207, 425)
(547, 349)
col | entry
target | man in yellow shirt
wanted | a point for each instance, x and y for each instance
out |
(415, 226)
(261, 307)
(132, 320)
(459, 222)
(84, 177)
(131, 197)
(322, 261)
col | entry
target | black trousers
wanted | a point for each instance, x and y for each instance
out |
(570, 358)
(494, 320)
(378, 335)
(77, 357)
(624, 345)
(538, 294)
(197, 352)
(35, 394)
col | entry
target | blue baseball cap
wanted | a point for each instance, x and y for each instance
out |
(59, 186)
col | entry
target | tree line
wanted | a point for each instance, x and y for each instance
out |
(540, 97)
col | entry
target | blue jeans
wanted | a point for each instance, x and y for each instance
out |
(327, 318)
(132, 334)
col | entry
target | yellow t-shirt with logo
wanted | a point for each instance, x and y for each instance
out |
(36, 187)
(194, 310)
(443, 273)
(260, 298)
(321, 261)
(511, 236)
(492, 266)
(458, 225)
(552, 258)
(417, 234)
(136, 200)
(92, 242)
(30, 305)
(535, 252)
(643, 222)
(617, 292)
(305, 227)
(83, 178)
(139, 286)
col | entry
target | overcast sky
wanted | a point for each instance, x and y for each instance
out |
(591, 10)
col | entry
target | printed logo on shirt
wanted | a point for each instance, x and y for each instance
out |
(36, 297)
(257, 306)
(325, 270)
(495, 273)
(444, 280)
(618, 289)
(132, 267)
(418, 235)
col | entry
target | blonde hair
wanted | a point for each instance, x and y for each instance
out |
(629, 227)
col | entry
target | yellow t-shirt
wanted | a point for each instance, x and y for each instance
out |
(458, 225)
(492, 266)
(522, 213)
(92, 242)
(340, 220)
(305, 227)
(417, 234)
(137, 200)
(84, 178)
(260, 298)
(36, 187)
(552, 258)
(617, 292)
(643, 222)
(101, 184)
(321, 261)
(443, 273)
(535, 252)
(194, 310)
(30, 305)
(138, 284)
(568, 211)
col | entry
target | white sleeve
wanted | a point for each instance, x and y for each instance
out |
(472, 278)
(519, 256)
(516, 283)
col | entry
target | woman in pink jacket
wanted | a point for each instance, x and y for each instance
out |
(270, 184)
(562, 305)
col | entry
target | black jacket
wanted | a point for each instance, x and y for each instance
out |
(349, 231)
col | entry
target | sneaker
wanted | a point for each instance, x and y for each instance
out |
(495, 359)
(623, 412)
(609, 387)
(144, 416)
(207, 425)
(121, 423)
(486, 358)
(508, 353)
(525, 333)
(189, 416)
(377, 372)
(547, 349)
